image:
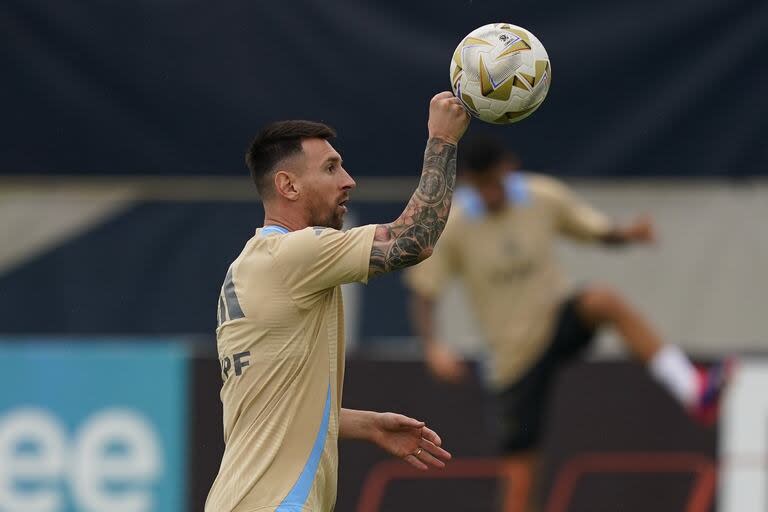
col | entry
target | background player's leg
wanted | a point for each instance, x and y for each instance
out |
(523, 418)
(666, 363)
(599, 306)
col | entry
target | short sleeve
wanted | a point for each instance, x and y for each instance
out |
(576, 218)
(430, 277)
(316, 259)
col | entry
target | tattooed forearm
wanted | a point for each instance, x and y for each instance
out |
(411, 238)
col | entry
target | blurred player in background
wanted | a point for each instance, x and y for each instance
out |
(500, 240)
(281, 324)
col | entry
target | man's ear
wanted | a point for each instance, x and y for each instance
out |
(286, 185)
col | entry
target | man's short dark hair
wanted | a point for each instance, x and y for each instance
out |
(278, 141)
(479, 153)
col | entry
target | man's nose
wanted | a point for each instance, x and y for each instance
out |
(349, 183)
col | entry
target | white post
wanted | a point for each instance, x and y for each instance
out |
(743, 442)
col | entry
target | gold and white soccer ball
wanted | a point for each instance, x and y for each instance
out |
(501, 73)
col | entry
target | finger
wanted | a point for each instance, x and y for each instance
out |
(430, 460)
(406, 422)
(435, 451)
(443, 95)
(460, 110)
(413, 461)
(431, 436)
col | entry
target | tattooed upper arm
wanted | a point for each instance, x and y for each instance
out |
(411, 238)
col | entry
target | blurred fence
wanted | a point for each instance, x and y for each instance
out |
(135, 425)
(148, 257)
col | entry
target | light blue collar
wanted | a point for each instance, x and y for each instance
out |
(274, 228)
(515, 187)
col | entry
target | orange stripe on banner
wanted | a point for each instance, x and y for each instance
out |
(699, 500)
(703, 467)
(386, 472)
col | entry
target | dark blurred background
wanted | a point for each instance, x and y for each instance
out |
(124, 197)
(178, 87)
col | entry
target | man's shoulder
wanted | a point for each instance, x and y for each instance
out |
(304, 245)
(540, 183)
(289, 239)
(545, 187)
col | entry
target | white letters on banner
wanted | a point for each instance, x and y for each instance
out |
(110, 464)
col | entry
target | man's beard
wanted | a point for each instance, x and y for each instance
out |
(327, 219)
(334, 220)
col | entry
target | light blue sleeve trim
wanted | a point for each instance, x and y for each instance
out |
(470, 201)
(516, 188)
(268, 230)
(297, 497)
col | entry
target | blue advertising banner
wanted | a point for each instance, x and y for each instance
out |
(92, 426)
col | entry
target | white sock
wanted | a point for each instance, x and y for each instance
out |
(672, 368)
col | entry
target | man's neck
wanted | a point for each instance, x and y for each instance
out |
(289, 222)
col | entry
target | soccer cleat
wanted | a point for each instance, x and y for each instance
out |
(712, 383)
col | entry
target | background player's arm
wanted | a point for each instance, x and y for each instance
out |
(426, 282)
(581, 221)
(443, 363)
(641, 230)
(398, 435)
(411, 238)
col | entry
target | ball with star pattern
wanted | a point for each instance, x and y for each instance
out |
(501, 72)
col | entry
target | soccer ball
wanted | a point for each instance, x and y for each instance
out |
(501, 73)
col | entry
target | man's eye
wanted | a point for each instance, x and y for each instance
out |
(330, 168)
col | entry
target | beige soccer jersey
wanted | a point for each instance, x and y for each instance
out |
(508, 266)
(281, 347)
